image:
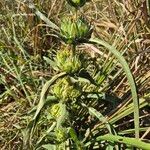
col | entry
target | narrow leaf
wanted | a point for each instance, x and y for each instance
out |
(43, 17)
(63, 115)
(75, 138)
(125, 66)
(101, 118)
(52, 63)
(42, 101)
(44, 93)
(49, 147)
(125, 140)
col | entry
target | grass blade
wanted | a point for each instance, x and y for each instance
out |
(43, 17)
(125, 140)
(101, 118)
(125, 66)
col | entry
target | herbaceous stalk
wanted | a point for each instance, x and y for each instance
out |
(75, 88)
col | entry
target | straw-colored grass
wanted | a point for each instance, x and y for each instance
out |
(28, 45)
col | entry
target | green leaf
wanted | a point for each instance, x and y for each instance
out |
(125, 66)
(49, 147)
(101, 118)
(49, 100)
(63, 115)
(131, 131)
(43, 17)
(75, 138)
(125, 140)
(53, 64)
(47, 132)
(31, 125)
(110, 147)
(44, 93)
(127, 110)
(104, 97)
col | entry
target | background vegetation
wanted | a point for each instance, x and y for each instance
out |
(28, 43)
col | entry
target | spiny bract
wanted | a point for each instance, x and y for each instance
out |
(75, 31)
(55, 111)
(61, 134)
(67, 61)
(65, 90)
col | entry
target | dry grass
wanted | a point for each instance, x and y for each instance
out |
(25, 39)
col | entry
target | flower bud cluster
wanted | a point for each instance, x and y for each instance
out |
(75, 31)
(67, 61)
(65, 90)
(55, 111)
(61, 134)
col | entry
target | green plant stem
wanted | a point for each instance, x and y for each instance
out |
(125, 140)
(126, 68)
(76, 13)
(75, 138)
(73, 48)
